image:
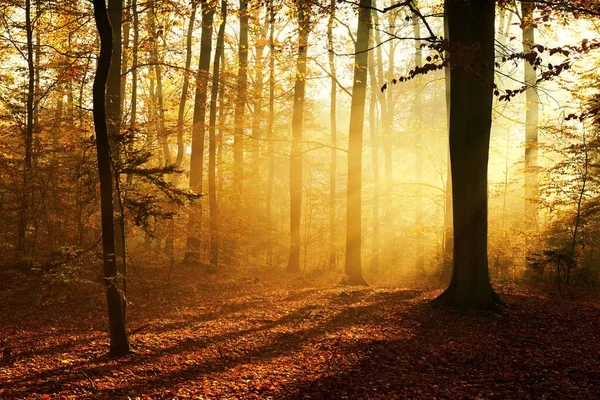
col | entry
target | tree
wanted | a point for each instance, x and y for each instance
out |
(199, 127)
(270, 128)
(212, 146)
(240, 104)
(119, 343)
(297, 127)
(333, 124)
(357, 115)
(471, 35)
(29, 128)
(420, 263)
(185, 86)
(531, 118)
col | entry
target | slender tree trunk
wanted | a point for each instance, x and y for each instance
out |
(353, 267)
(531, 120)
(29, 126)
(113, 113)
(240, 104)
(161, 133)
(212, 147)
(471, 22)
(119, 343)
(375, 163)
(297, 127)
(134, 64)
(181, 116)
(333, 125)
(257, 114)
(199, 125)
(125, 56)
(448, 224)
(271, 179)
(388, 135)
(420, 252)
(185, 87)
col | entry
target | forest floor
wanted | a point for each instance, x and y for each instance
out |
(294, 337)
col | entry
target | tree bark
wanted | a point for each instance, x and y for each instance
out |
(471, 25)
(333, 125)
(353, 268)
(29, 126)
(119, 343)
(531, 119)
(375, 163)
(113, 113)
(446, 274)
(271, 124)
(420, 252)
(240, 104)
(199, 125)
(212, 147)
(297, 127)
(185, 87)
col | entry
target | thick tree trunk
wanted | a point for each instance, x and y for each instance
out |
(297, 127)
(212, 146)
(119, 343)
(333, 125)
(353, 263)
(240, 104)
(531, 120)
(199, 127)
(471, 23)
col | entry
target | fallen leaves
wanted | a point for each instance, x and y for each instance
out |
(328, 342)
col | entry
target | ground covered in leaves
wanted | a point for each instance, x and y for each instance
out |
(294, 337)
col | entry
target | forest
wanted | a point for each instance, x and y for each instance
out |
(300, 199)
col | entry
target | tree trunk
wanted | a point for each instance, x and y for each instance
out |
(297, 127)
(271, 179)
(240, 104)
(119, 343)
(531, 120)
(388, 135)
(161, 133)
(417, 126)
(355, 137)
(212, 147)
(257, 114)
(333, 124)
(375, 163)
(27, 164)
(470, 22)
(125, 55)
(134, 65)
(185, 87)
(113, 113)
(199, 127)
(446, 274)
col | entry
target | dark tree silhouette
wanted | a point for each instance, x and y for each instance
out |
(119, 343)
(470, 26)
